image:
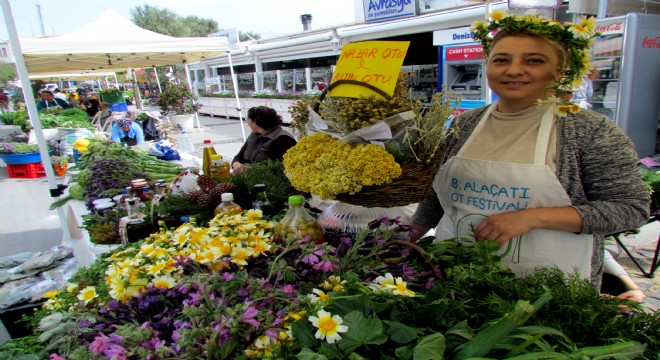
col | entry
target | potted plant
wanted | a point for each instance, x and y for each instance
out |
(179, 103)
(60, 164)
(112, 96)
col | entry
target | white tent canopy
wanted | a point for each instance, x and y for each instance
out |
(113, 42)
(72, 75)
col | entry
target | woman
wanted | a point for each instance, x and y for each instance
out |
(534, 172)
(267, 141)
(127, 132)
(93, 107)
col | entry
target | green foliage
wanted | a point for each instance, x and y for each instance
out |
(269, 172)
(25, 348)
(7, 73)
(177, 99)
(166, 22)
(248, 35)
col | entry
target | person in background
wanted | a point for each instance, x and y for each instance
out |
(73, 101)
(127, 132)
(544, 178)
(4, 100)
(50, 102)
(93, 107)
(268, 139)
(105, 112)
(58, 94)
(617, 282)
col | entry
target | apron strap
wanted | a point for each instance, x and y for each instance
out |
(543, 138)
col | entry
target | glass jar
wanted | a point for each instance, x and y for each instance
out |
(261, 201)
(297, 223)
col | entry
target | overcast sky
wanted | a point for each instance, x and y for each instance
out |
(266, 17)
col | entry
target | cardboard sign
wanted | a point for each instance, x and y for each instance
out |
(377, 63)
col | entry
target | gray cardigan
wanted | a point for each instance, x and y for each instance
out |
(596, 164)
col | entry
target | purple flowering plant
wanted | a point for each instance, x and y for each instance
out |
(178, 99)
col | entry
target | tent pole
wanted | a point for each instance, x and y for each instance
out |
(185, 66)
(238, 102)
(116, 82)
(136, 92)
(157, 80)
(31, 106)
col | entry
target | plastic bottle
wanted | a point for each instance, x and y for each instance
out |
(228, 206)
(160, 209)
(297, 223)
(209, 151)
(186, 143)
(219, 169)
(261, 201)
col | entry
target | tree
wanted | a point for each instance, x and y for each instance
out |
(166, 22)
(7, 73)
(248, 35)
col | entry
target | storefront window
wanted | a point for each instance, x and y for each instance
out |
(270, 80)
(245, 82)
(424, 83)
(294, 80)
(321, 77)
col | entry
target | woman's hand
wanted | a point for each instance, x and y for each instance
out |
(506, 226)
(636, 295)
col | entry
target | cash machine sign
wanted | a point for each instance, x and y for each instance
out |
(467, 52)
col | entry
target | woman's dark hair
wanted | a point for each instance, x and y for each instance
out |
(264, 117)
(94, 102)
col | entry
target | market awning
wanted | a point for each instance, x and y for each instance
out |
(112, 42)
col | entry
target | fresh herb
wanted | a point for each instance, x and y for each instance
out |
(269, 172)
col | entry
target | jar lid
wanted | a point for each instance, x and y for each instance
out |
(101, 201)
(296, 200)
(116, 198)
(227, 197)
(103, 206)
(259, 187)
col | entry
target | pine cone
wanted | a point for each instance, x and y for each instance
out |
(194, 196)
(205, 182)
(205, 201)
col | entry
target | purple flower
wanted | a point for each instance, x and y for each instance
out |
(325, 266)
(153, 343)
(307, 238)
(115, 352)
(346, 241)
(55, 357)
(228, 276)
(248, 316)
(408, 271)
(405, 253)
(100, 344)
(273, 333)
(310, 259)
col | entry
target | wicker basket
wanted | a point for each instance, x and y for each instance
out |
(411, 187)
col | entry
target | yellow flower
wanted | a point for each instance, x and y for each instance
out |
(478, 25)
(589, 23)
(262, 347)
(328, 326)
(163, 282)
(253, 214)
(87, 294)
(381, 282)
(317, 296)
(71, 287)
(579, 31)
(401, 288)
(240, 255)
(50, 294)
(564, 109)
(498, 15)
(156, 268)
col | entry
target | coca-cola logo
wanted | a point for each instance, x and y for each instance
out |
(609, 28)
(651, 43)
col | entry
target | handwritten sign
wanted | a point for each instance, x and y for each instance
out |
(377, 63)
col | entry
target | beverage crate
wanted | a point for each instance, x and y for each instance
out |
(118, 107)
(26, 171)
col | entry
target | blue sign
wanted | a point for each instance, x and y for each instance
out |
(381, 10)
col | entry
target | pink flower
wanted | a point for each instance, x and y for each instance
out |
(325, 266)
(55, 357)
(248, 316)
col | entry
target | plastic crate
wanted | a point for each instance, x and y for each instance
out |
(26, 171)
(16, 159)
(118, 107)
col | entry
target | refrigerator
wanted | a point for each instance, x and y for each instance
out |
(626, 81)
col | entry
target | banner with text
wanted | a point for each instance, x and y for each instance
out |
(377, 63)
(381, 10)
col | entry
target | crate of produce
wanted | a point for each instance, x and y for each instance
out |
(26, 171)
(118, 107)
(113, 98)
(16, 159)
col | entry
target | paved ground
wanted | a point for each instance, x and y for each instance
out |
(26, 224)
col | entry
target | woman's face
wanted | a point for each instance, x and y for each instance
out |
(253, 126)
(519, 70)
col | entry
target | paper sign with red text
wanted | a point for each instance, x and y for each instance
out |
(377, 63)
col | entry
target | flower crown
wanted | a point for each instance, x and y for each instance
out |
(576, 39)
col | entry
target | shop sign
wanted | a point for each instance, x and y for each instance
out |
(608, 27)
(534, 4)
(381, 10)
(453, 36)
(376, 63)
(468, 52)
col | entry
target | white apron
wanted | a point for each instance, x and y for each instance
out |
(469, 190)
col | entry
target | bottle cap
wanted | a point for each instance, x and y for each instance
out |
(207, 141)
(216, 157)
(227, 197)
(259, 187)
(296, 200)
(101, 201)
(103, 206)
(185, 218)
